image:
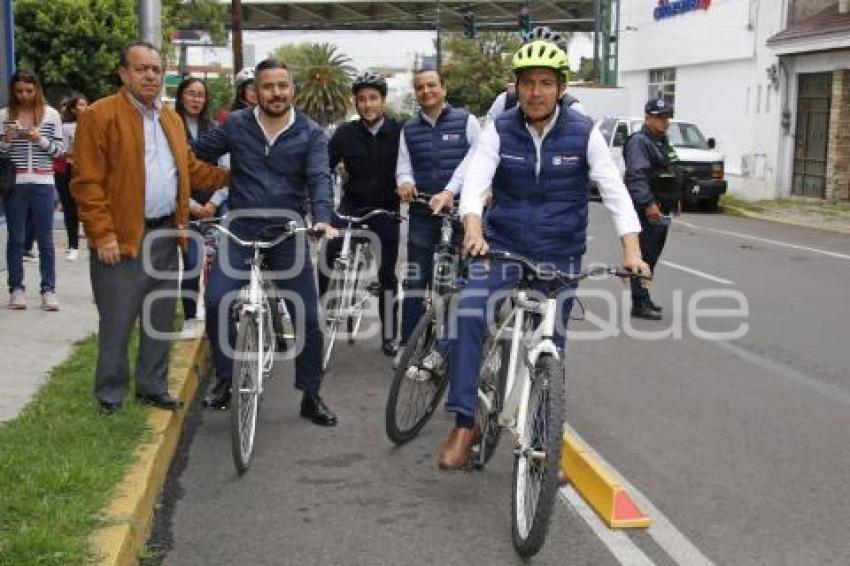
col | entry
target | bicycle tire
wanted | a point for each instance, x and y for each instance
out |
(359, 296)
(535, 480)
(421, 341)
(244, 403)
(493, 374)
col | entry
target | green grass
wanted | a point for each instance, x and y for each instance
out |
(60, 459)
(785, 207)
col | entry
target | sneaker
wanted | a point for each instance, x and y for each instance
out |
(31, 255)
(49, 302)
(192, 328)
(17, 300)
(72, 254)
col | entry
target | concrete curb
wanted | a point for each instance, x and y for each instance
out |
(129, 514)
(756, 216)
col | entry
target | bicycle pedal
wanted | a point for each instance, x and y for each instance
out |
(374, 289)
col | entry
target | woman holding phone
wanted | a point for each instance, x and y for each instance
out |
(32, 136)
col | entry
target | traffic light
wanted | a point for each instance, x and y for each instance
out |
(469, 25)
(524, 20)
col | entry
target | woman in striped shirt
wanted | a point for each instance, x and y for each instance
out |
(31, 135)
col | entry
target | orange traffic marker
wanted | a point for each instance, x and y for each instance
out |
(598, 487)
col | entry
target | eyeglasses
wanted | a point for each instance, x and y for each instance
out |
(195, 95)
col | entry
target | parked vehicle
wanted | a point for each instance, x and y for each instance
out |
(701, 163)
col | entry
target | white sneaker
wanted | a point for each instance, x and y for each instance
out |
(192, 329)
(72, 254)
(17, 300)
(49, 302)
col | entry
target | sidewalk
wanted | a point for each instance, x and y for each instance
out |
(34, 341)
(832, 217)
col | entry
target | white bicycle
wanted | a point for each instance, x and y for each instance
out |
(260, 335)
(521, 388)
(348, 294)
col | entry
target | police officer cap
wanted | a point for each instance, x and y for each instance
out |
(657, 106)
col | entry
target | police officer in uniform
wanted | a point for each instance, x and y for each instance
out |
(655, 188)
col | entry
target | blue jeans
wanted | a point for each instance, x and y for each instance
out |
(308, 362)
(470, 327)
(40, 200)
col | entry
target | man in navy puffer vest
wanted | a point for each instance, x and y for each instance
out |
(432, 159)
(538, 157)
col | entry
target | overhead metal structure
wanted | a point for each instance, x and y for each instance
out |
(597, 16)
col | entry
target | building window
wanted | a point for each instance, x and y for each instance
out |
(662, 84)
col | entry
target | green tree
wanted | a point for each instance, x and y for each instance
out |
(322, 78)
(74, 44)
(475, 71)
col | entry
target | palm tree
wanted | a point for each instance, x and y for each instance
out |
(322, 79)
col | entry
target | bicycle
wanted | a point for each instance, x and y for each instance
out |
(346, 294)
(416, 390)
(521, 388)
(259, 333)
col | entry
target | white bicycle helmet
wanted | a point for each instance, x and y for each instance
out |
(244, 76)
(544, 33)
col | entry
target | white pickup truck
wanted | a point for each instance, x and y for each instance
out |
(701, 163)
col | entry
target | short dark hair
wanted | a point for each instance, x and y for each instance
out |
(125, 51)
(428, 70)
(270, 63)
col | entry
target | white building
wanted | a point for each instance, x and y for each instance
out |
(713, 62)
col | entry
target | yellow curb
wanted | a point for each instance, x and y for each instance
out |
(129, 515)
(779, 220)
(598, 487)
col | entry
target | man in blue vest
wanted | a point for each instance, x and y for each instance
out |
(538, 157)
(432, 158)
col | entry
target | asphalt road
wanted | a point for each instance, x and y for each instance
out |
(737, 447)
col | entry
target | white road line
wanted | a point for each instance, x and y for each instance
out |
(696, 272)
(621, 546)
(668, 537)
(765, 240)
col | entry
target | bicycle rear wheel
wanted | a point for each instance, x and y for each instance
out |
(245, 392)
(535, 474)
(494, 367)
(414, 393)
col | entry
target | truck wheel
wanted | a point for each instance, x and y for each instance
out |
(710, 204)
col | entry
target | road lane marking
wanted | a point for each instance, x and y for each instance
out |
(790, 375)
(696, 272)
(619, 544)
(668, 537)
(765, 240)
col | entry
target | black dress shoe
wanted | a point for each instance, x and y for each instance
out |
(313, 408)
(161, 401)
(218, 396)
(389, 348)
(109, 409)
(645, 312)
(653, 306)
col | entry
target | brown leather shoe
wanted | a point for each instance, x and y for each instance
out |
(456, 450)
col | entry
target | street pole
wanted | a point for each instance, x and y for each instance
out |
(439, 43)
(150, 21)
(236, 20)
(597, 38)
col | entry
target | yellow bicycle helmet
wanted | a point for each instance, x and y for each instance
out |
(541, 54)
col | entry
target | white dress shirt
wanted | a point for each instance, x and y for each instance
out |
(486, 158)
(404, 169)
(160, 167)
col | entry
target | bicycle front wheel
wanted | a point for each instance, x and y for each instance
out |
(333, 313)
(535, 475)
(245, 392)
(414, 392)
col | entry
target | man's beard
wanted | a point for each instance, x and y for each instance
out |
(267, 108)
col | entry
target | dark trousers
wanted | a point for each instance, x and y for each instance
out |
(468, 330)
(423, 235)
(221, 322)
(189, 286)
(652, 238)
(120, 293)
(39, 201)
(69, 208)
(387, 232)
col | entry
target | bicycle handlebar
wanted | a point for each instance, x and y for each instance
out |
(542, 271)
(368, 215)
(425, 198)
(290, 229)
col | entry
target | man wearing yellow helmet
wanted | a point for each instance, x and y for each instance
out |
(539, 158)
